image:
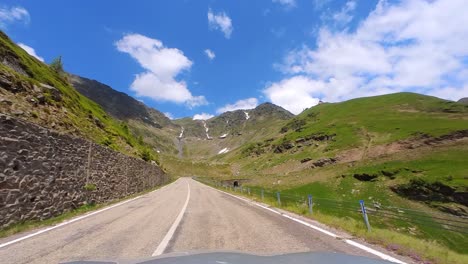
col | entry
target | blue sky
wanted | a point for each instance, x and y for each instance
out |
(292, 53)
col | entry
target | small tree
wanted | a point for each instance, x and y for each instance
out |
(57, 65)
(145, 154)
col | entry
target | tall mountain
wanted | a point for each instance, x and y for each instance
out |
(240, 121)
(118, 104)
(148, 123)
(228, 131)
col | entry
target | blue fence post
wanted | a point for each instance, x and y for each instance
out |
(364, 214)
(262, 195)
(279, 198)
(310, 203)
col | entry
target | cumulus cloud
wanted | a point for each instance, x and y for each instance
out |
(244, 104)
(344, 16)
(286, 3)
(202, 116)
(294, 94)
(220, 21)
(30, 51)
(413, 45)
(210, 54)
(162, 65)
(12, 15)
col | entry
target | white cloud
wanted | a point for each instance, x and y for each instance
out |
(162, 65)
(210, 54)
(30, 51)
(286, 3)
(244, 104)
(202, 116)
(413, 45)
(169, 115)
(294, 94)
(13, 14)
(320, 4)
(220, 21)
(344, 16)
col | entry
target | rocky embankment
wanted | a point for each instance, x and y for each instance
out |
(44, 173)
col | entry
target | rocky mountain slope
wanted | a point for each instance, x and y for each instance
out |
(118, 104)
(33, 91)
(228, 131)
(148, 123)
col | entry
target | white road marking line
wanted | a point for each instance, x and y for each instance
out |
(350, 242)
(373, 251)
(74, 219)
(162, 246)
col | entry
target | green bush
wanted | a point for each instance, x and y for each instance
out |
(90, 187)
(146, 155)
(107, 141)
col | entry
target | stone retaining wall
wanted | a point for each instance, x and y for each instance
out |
(44, 173)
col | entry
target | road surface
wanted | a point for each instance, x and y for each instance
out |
(212, 220)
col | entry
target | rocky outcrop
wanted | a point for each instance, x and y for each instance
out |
(463, 101)
(420, 190)
(118, 104)
(44, 173)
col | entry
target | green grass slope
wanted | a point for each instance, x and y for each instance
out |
(400, 150)
(61, 107)
(384, 119)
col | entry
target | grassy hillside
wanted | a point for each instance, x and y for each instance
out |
(33, 91)
(381, 119)
(399, 150)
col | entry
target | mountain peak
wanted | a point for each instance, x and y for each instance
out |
(270, 109)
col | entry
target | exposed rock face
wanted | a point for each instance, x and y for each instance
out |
(118, 104)
(44, 173)
(365, 176)
(420, 190)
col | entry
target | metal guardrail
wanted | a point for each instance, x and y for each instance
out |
(371, 211)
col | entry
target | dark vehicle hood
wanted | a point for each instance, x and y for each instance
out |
(240, 258)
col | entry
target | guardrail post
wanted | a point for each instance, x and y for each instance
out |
(364, 214)
(279, 198)
(310, 203)
(262, 195)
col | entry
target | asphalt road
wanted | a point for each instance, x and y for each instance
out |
(212, 221)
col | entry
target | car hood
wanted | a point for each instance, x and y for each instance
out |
(242, 258)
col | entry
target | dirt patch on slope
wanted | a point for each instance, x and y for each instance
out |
(419, 141)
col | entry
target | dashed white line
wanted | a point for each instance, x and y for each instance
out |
(350, 242)
(162, 246)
